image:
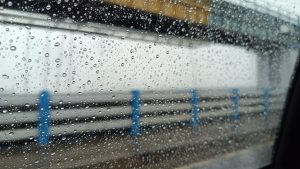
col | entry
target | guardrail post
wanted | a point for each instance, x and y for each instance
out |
(44, 118)
(195, 109)
(235, 98)
(266, 101)
(135, 114)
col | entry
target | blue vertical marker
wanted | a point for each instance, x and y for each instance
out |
(195, 109)
(266, 101)
(44, 118)
(235, 98)
(135, 114)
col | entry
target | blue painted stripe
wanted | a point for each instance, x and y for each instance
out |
(235, 98)
(195, 109)
(266, 101)
(44, 118)
(135, 114)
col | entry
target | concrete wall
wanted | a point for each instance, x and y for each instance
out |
(36, 58)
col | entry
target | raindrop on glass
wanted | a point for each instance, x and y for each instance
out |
(48, 7)
(9, 3)
(57, 44)
(13, 48)
(5, 76)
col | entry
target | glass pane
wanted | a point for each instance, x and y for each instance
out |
(144, 84)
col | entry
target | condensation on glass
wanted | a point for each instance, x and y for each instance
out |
(154, 84)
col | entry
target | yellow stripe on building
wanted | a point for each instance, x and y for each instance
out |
(196, 11)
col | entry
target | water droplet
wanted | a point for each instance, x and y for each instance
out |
(46, 54)
(13, 48)
(48, 7)
(57, 60)
(1, 89)
(11, 133)
(5, 76)
(57, 44)
(9, 3)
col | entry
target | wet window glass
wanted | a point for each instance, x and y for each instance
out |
(144, 84)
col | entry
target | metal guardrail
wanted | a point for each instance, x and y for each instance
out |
(28, 117)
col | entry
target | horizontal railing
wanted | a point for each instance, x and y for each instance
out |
(31, 117)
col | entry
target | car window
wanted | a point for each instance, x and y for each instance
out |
(144, 84)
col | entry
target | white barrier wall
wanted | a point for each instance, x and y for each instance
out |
(35, 58)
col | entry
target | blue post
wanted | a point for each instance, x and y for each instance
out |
(266, 101)
(44, 118)
(135, 114)
(235, 98)
(195, 109)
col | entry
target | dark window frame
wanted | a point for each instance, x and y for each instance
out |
(287, 144)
